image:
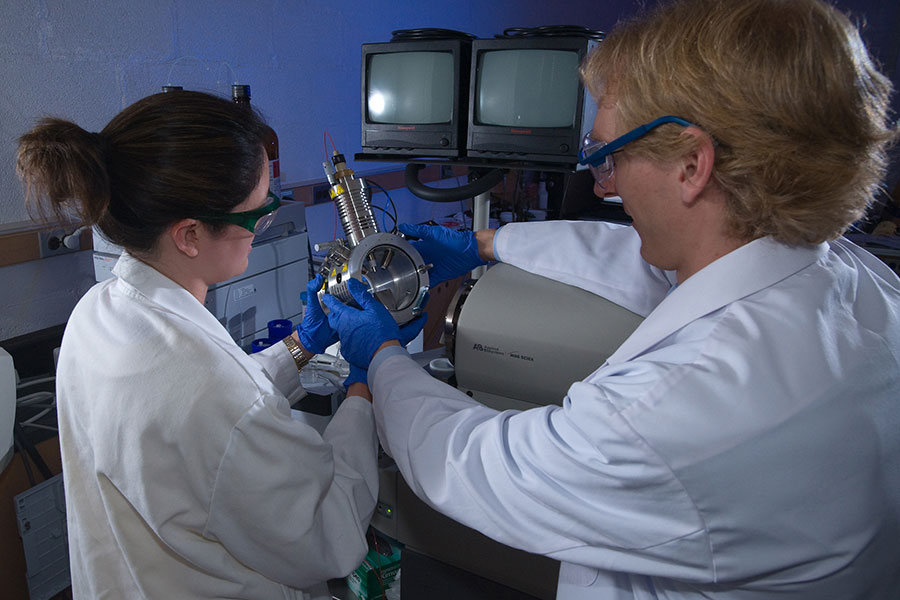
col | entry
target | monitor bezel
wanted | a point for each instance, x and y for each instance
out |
(430, 139)
(548, 144)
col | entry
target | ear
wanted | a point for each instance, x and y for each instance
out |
(696, 165)
(185, 235)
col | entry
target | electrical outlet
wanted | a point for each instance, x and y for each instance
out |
(50, 243)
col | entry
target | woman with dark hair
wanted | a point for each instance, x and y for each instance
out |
(185, 475)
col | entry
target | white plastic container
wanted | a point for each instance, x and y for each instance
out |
(7, 407)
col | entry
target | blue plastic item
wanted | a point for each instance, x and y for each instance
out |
(280, 329)
(260, 344)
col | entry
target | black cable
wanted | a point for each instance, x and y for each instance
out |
(429, 33)
(565, 192)
(552, 31)
(21, 451)
(25, 442)
(394, 216)
(484, 183)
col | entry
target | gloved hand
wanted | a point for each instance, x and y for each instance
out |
(357, 375)
(409, 331)
(315, 333)
(452, 253)
(407, 334)
(361, 331)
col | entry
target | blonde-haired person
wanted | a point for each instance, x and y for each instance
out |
(185, 475)
(743, 441)
(792, 164)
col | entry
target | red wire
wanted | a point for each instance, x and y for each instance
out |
(333, 147)
(325, 137)
(378, 572)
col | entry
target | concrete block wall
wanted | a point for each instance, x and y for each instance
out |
(87, 59)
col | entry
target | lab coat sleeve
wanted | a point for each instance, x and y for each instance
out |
(292, 505)
(602, 258)
(279, 365)
(575, 483)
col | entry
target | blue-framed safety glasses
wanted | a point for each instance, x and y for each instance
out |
(599, 155)
(255, 221)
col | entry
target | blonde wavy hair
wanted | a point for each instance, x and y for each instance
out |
(785, 87)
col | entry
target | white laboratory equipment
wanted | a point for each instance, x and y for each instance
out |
(7, 407)
(515, 341)
(527, 353)
(269, 289)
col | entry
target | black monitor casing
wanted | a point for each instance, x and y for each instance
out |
(543, 144)
(432, 139)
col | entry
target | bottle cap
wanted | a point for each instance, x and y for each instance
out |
(259, 344)
(240, 91)
(280, 329)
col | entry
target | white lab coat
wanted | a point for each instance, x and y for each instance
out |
(185, 475)
(743, 443)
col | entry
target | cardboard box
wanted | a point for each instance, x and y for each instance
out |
(376, 574)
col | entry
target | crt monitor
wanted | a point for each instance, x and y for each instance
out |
(414, 96)
(526, 99)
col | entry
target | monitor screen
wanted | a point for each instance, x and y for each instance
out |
(410, 88)
(527, 88)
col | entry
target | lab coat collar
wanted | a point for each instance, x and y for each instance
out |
(168, 295)
(744, 271)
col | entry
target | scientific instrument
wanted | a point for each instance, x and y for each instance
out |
(394, 270)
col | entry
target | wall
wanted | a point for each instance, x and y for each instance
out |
(87, 59)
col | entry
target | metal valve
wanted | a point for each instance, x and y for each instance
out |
(393, 269)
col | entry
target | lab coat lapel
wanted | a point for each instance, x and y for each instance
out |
(752, 267)
(169, 295)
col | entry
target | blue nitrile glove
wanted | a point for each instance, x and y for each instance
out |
(357, 375)
(409, 331)
(407, 334)
(315, 333)
(361, 331)
(452, 253)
